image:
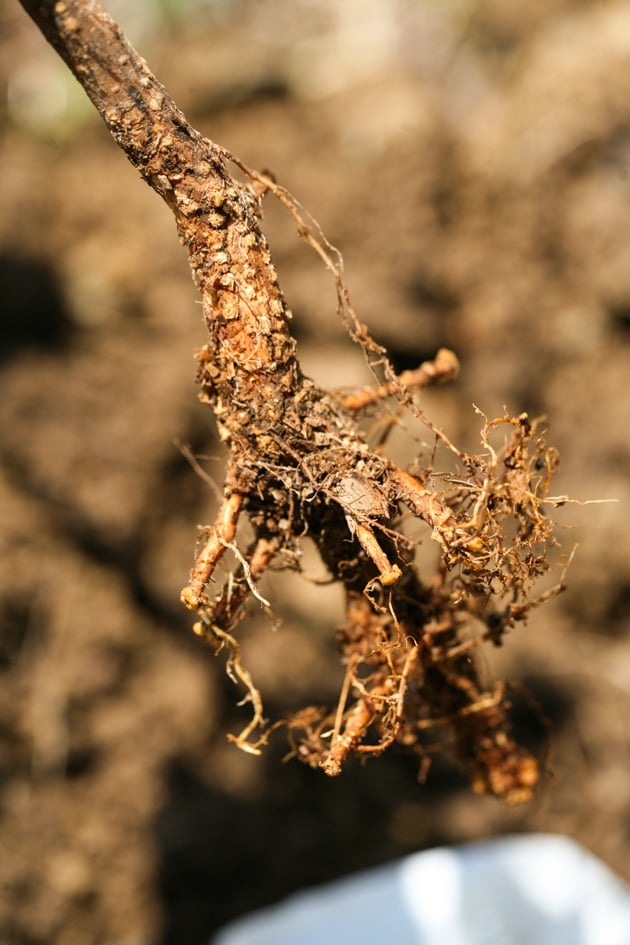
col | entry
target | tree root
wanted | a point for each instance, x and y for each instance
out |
(300, 464)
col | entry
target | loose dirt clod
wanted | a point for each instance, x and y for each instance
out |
(301, 465)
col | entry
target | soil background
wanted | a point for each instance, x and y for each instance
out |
(472, 162)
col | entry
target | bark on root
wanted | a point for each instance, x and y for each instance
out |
(301, 464)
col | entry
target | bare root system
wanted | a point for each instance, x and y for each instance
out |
(301, 464)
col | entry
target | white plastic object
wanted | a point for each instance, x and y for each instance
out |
(536, 889)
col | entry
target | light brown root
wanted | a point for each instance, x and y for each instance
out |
(388, 573)
(444, 367)
(219, 538)
(219, 638)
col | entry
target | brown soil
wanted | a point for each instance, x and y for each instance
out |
(475, 172)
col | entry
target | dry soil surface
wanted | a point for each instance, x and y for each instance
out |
(472, 162)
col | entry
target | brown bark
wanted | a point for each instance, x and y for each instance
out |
(299, 463)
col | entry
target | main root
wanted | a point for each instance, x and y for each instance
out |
(300, 464)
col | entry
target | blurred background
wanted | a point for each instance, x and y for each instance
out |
(471, 159)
